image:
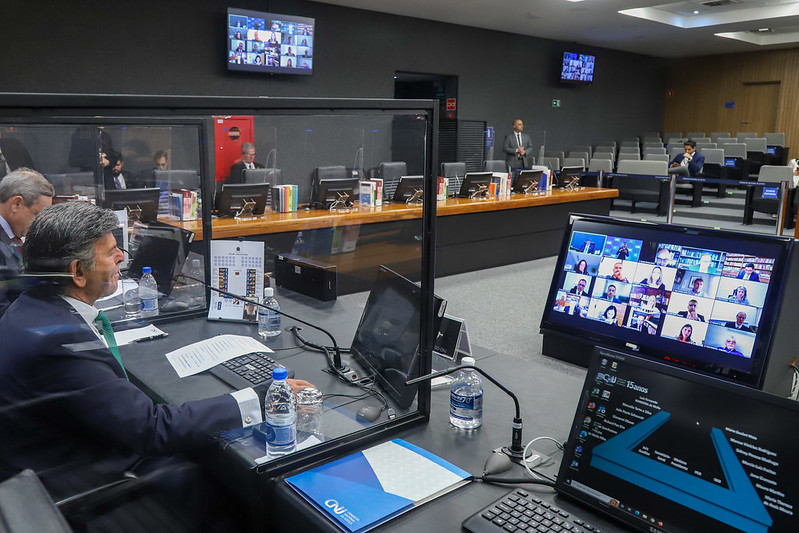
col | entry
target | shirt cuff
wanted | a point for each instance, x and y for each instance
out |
(249, 406)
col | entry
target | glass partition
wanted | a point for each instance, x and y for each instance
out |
(354, 284)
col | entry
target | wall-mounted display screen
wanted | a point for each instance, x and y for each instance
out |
(268, 42)
(577, 68)
(700, 298)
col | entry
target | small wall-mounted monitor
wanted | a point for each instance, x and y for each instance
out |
(327, 191)
(472, 181)
(407, 187)
(577, 68)
(141, 204)
(233, 196)
(269, 43)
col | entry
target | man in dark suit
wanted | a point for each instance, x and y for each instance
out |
(691, 312)
(67, 409)
(247, 161)
(689, 163)
(748, 273)
(13, 155)
(517, 147)
(579, 289)
(739, 324)
(23, 193)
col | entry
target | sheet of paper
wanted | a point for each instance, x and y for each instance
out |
(202, 355)
(138, 334)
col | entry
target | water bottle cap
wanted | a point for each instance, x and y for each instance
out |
(468, 361)
(146, 270)
(279, 373)
(269, 292)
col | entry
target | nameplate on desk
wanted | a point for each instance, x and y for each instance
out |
(368, 488)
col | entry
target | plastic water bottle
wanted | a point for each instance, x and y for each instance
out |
(280, 408)
(148, 292)
(269, 321)
(466, 398)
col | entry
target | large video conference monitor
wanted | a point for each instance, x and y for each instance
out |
(269, 43)
(694, 297)
(664, 450)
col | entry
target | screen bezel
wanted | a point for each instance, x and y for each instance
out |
(265, 69)
(658, 348)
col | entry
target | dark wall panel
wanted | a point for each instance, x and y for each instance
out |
(150, 47)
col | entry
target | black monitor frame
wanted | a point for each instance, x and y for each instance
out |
(577, 335)
(525, 180)
(141, 204)
(234, 197)
(326, 191)
(405, 363)
(472, 181)
(409, 187)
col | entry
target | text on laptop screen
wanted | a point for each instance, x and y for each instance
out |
(695, 297)
(666, 450)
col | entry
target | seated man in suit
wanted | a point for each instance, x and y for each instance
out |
(23, 193)
(247, 161)
(579, 289)
(517, 147)
(739, 323)
(689, 163)
(67, 408)
(691, 312)
(748, 273)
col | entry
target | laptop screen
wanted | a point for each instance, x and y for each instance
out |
(663, 449)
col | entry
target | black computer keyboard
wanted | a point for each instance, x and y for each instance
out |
(248, 370)
(520, 511)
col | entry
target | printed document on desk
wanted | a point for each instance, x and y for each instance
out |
(365, 489)
(203, 355)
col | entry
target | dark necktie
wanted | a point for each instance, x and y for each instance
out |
(108, 334)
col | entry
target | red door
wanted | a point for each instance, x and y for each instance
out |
(229, 134)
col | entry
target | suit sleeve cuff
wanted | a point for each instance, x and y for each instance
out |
(249, 406)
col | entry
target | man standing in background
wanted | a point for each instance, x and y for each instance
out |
(517, 147)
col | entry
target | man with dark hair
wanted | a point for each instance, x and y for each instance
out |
(23, 193)
(748, 273)
(247, 162)
(691, 313)
(67, 409)
(689, 163)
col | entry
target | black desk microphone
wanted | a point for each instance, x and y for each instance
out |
(515, 450)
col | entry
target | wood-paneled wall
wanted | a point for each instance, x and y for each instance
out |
(699, 88)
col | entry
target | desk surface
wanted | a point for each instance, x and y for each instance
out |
(548, 397)
(226, 228)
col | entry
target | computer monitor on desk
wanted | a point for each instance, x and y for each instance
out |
(242, 199)
(475, 184)
(141, 204)
(410, 189)
(326, 192)
(568, 175)
(386, 343)
(527, 181)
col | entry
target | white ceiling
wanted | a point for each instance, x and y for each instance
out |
(650, 27)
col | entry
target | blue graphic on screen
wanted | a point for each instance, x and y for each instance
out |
(614, 247)
(589, 243)
(738, 506)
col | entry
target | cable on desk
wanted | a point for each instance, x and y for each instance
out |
(533, 473)
(515, 480)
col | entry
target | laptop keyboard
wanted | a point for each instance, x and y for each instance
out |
(248, 370)
(518, 510)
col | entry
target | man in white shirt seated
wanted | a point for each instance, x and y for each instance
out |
(247, 162)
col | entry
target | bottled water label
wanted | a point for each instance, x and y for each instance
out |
(149, 304)
(465, 407)
(280, 435)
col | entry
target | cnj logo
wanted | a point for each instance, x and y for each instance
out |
(607, 378)
(335, 507)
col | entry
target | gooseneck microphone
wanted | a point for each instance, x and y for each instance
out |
(515, 450)
(339, 366)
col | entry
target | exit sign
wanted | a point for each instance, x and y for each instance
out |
(555, 103)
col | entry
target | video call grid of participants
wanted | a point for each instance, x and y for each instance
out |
(285, 44)
(697, 296)
(578, 67)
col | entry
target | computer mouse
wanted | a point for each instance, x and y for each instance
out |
(368, 413)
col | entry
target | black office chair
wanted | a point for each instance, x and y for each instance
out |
(755, 200)
(391, 172)
(638, 188)
(262, 175)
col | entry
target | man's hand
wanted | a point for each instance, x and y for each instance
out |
(298, 384)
